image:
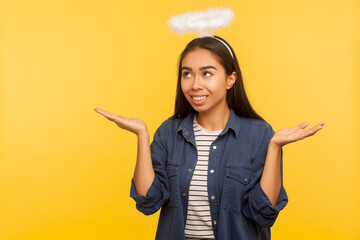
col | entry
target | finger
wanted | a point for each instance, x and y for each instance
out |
(106, 114)
(103, 112)
(318, 126)
(303, 125)
(314, 129)
(98, 110)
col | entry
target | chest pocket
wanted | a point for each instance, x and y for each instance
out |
(173, 180)
(236, 179)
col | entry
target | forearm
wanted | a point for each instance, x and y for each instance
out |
(144, 173)
(271, 179)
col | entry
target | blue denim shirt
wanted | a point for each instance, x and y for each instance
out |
(240, 209)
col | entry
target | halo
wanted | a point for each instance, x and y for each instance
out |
(200, 22)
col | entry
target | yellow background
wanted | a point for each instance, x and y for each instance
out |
(65, 170)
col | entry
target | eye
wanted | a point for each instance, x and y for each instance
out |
(207, 73)
(185, 73)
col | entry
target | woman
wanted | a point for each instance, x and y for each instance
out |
(214, 167)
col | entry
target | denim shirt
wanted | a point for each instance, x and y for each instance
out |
(240, 209)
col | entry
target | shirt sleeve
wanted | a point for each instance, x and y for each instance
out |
(159, 191)
(255, 203)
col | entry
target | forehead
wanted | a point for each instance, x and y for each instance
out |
(200, 57)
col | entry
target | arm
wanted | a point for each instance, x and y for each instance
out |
(256, 204)
(144, 173)
(271, 177)
(271, 180)
(150, 174)
(264, 198)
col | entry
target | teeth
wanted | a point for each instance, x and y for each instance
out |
(199, 98)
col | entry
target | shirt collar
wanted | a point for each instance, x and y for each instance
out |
(187, 124)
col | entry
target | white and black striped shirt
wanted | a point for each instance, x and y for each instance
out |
(198, 222)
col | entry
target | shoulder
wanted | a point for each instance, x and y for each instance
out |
(255, 132)
(257, 129)
(170, 123)
(169, 126)
(252, 123)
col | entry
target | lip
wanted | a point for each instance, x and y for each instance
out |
(198, 102)
(197, 95)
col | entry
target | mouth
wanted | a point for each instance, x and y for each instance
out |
(198, 100)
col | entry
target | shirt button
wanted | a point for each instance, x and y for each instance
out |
(246, 179)
(215, 221)
(189, 169)
(212, 197)
(214, 147)
(186, 133)
(184, 194)
(212, 170)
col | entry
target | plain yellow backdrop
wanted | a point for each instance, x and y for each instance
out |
(65, 170)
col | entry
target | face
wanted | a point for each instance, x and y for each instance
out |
(204, 81)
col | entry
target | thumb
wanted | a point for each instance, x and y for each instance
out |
(303, 125)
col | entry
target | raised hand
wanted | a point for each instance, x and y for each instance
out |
(293, 134)
(134, 125)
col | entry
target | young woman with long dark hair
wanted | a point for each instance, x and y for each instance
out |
(215, 166)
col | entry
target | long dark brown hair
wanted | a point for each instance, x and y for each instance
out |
(236, 96)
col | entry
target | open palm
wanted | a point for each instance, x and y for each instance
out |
(293, 134)
(134, 125)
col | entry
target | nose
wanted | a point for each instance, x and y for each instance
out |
(197, 83)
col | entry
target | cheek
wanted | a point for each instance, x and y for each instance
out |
(184, 88)
(215, 86)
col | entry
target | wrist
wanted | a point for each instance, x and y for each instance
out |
(274, 145)
(143, 133)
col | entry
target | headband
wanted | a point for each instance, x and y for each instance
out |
(202, 23)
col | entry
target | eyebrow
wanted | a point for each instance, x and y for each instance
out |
(202, 68)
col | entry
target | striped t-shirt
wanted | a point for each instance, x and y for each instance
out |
(198, 222)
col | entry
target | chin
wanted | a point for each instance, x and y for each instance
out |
(199, 109)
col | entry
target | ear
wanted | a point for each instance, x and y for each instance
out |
(230, 80)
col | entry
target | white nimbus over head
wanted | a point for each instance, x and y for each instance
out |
(202, 23)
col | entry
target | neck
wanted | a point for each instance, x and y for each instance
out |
(213, 120)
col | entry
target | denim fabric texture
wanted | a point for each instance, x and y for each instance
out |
(240, 210)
